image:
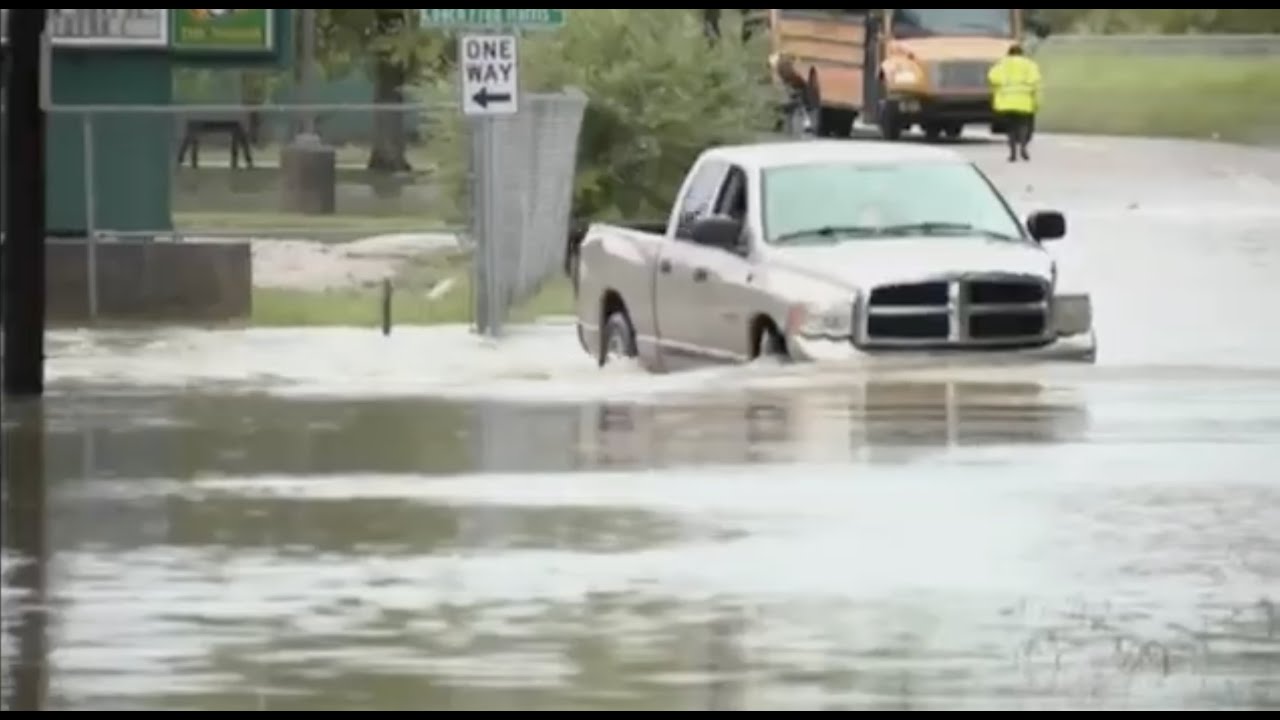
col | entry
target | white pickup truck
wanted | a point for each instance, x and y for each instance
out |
(827, 250)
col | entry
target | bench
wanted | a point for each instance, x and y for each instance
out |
(235, 130)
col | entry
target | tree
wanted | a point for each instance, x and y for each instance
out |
(395, 52)
(750, 21)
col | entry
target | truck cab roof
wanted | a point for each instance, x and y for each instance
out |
(764, 155)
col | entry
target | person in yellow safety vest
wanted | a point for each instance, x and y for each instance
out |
(1015, 98)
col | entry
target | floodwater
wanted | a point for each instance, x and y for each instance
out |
(313, 520)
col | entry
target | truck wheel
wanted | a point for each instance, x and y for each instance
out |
(890, 121)
(617, 338)
(932, 132)
(769, 343)
(953, 131)
(835, 122)
(796, 121)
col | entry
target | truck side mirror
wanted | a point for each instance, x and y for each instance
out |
(1047, 225)
(718, 231)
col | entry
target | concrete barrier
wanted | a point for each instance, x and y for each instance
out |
(146, 281)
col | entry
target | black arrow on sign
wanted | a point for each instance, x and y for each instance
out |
(484, 97)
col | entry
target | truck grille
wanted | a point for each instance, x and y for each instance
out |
(933, 293)
(961, 75)
(956, 313)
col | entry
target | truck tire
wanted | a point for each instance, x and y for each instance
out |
(768, 342)
(617, 337)
(889, 121)
(795, 121)
(836, 122)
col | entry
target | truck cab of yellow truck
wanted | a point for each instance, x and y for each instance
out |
(894, 68)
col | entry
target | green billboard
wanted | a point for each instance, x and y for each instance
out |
(223, 30)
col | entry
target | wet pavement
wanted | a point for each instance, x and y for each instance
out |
(318, 519)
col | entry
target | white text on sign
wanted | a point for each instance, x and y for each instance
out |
(490, 74)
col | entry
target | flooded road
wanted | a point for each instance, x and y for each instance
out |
(332, 519)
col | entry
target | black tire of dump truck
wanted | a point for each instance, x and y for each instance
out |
(836, 122)
(889, 122)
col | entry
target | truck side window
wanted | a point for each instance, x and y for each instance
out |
(733, 198)
(699, 199)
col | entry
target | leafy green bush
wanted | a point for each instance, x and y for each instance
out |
(658, 94)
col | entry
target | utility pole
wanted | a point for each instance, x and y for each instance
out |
(307, 66)
(309, 166)
(24, 236)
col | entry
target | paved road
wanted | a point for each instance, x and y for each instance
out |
(310, 519)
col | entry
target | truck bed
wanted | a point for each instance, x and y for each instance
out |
(579, 229)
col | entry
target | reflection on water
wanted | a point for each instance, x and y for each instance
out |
(25, 556)
(184, 437)
(869, 421)
(885, 544)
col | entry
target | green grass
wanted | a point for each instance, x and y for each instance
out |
(362, 307)
(1235, 99)
(349, 226)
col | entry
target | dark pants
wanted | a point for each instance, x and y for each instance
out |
(1018, 128)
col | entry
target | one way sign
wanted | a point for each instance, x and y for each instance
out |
(490, 74)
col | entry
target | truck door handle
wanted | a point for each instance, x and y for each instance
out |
(664, 266)
(700, 275)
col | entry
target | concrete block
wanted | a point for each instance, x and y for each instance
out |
(310, 173)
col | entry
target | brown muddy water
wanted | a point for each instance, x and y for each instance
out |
(311, 519)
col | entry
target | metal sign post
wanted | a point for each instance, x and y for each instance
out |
(489, 67)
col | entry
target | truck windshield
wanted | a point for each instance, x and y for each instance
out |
(834, 202)
(928, 23)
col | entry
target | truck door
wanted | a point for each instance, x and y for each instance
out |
(681, 291)
(729, 274)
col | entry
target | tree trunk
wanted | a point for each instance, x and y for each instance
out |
(711, 24)
(390, 138)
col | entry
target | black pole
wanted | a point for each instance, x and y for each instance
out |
(25, 531)
(24, 258)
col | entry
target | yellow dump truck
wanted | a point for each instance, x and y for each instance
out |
(894, 68)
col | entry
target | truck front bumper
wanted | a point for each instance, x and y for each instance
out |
(943, 109)
(1075, 349)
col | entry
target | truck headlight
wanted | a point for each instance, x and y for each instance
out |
(905, 76)
(813, 320)
(1072, 315)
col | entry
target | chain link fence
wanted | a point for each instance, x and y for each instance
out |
(335, 203)
(528, 178)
